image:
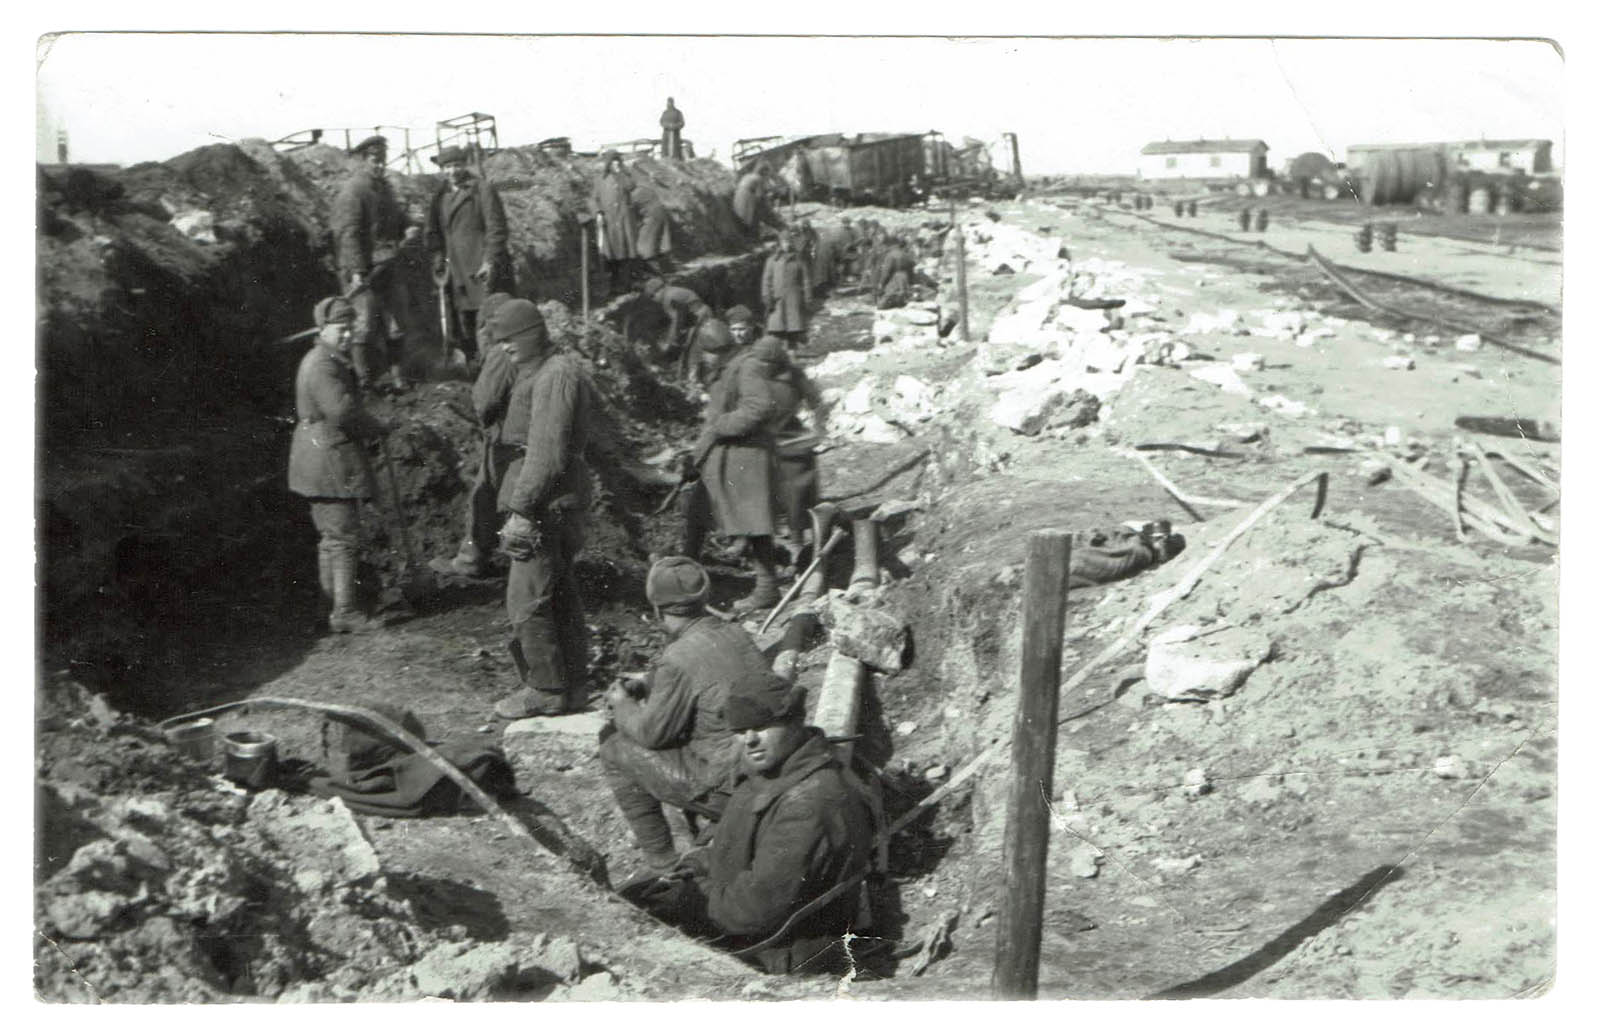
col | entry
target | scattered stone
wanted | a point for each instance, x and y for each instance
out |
(602, 986)
(1226, 321)
(1176, 865)
(198, 225)
(936, 772)
(1285, 406)
(584, 725)
(1084, 861)
(1451, 767)
(1196, 783)
(875, 637)
(1392, 436)
(1245, 362)
(1375, 471)
(1220, 375)
(1469, 343)
(1244, 433)
(905, 728)
(1399, 362)
(1184, 664)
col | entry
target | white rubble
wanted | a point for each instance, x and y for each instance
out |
(1219, 375)
(1185, 663)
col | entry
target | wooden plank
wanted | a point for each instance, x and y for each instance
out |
(1033, 750)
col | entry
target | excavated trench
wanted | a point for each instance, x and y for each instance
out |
(176, 573)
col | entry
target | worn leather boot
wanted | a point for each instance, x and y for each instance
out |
(530, 702)
(467, 562)
(765, 594)
(347, 617)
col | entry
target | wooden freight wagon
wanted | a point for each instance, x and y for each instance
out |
(872, 168)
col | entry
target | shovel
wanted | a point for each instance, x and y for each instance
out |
(448, 355)
(416, 581)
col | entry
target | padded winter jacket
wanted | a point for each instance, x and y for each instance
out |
(327, 459)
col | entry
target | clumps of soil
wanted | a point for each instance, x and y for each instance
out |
(168, 292)
(159, 882)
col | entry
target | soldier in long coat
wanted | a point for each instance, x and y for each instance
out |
(738, 464)
(369, 227)
(546, 493)
(672, 131)
(616, 226)
(799, 486)
(897, 270)
(328, 460)
(786, 291)
(467, 236)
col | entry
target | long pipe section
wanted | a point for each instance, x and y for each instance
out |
(865, 532)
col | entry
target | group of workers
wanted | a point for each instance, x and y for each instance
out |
(784, 828)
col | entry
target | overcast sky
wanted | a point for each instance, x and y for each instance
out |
(1076, 104)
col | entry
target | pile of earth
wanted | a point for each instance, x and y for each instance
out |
(166, 292)
(158, 882)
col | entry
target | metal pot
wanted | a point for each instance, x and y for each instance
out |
(196, 740)
(250, 758)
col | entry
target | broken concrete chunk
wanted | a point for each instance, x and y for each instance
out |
(877, 638)
(1219, 375)
(198, 225)
(1399, 362)
(1184, 664)
(1245, 362)
(1283, 405)
(1469, 343)
(1451, 767)
(463, 972)
(1084, 861)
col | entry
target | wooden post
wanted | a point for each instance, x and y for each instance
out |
(1033, 749)
(961, 268)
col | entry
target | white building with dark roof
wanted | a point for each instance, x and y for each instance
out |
(1203, 159)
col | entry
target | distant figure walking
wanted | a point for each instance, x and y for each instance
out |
(672, 132)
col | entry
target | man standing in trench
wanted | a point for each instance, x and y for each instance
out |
(328, 460)
(546, 493)
(466, 235)
(491, 400)
(672, 746)
(369, 227)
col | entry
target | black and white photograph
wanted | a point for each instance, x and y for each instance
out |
(774, 518)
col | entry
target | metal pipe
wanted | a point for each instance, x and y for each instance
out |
(838, 708)
(865, 531)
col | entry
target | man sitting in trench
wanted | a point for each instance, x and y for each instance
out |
(667, 742)
(779, 881)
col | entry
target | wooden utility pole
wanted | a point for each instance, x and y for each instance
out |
(1033, 751)
(961, 268)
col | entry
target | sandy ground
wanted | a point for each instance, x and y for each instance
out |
(1373, 814)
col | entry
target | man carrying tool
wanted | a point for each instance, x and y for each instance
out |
(546, 492)
(782, 877)
(466, 235)
(737, 463)
(672, 132)
(616, 226)
(328, 459)
(491, 400)
(685, 311)
(369, 227)
(667, 742)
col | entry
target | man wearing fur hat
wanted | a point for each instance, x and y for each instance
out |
(491, 401)
(466, 235)
(546, 492)
(667, 742)
(795, 830)
(369, 227)
(328, 459)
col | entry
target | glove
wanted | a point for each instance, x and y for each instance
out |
(519, 538)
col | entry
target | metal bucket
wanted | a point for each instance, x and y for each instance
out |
(196, 740)
(250, 758)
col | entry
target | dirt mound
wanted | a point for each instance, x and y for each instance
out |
(166, 291)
